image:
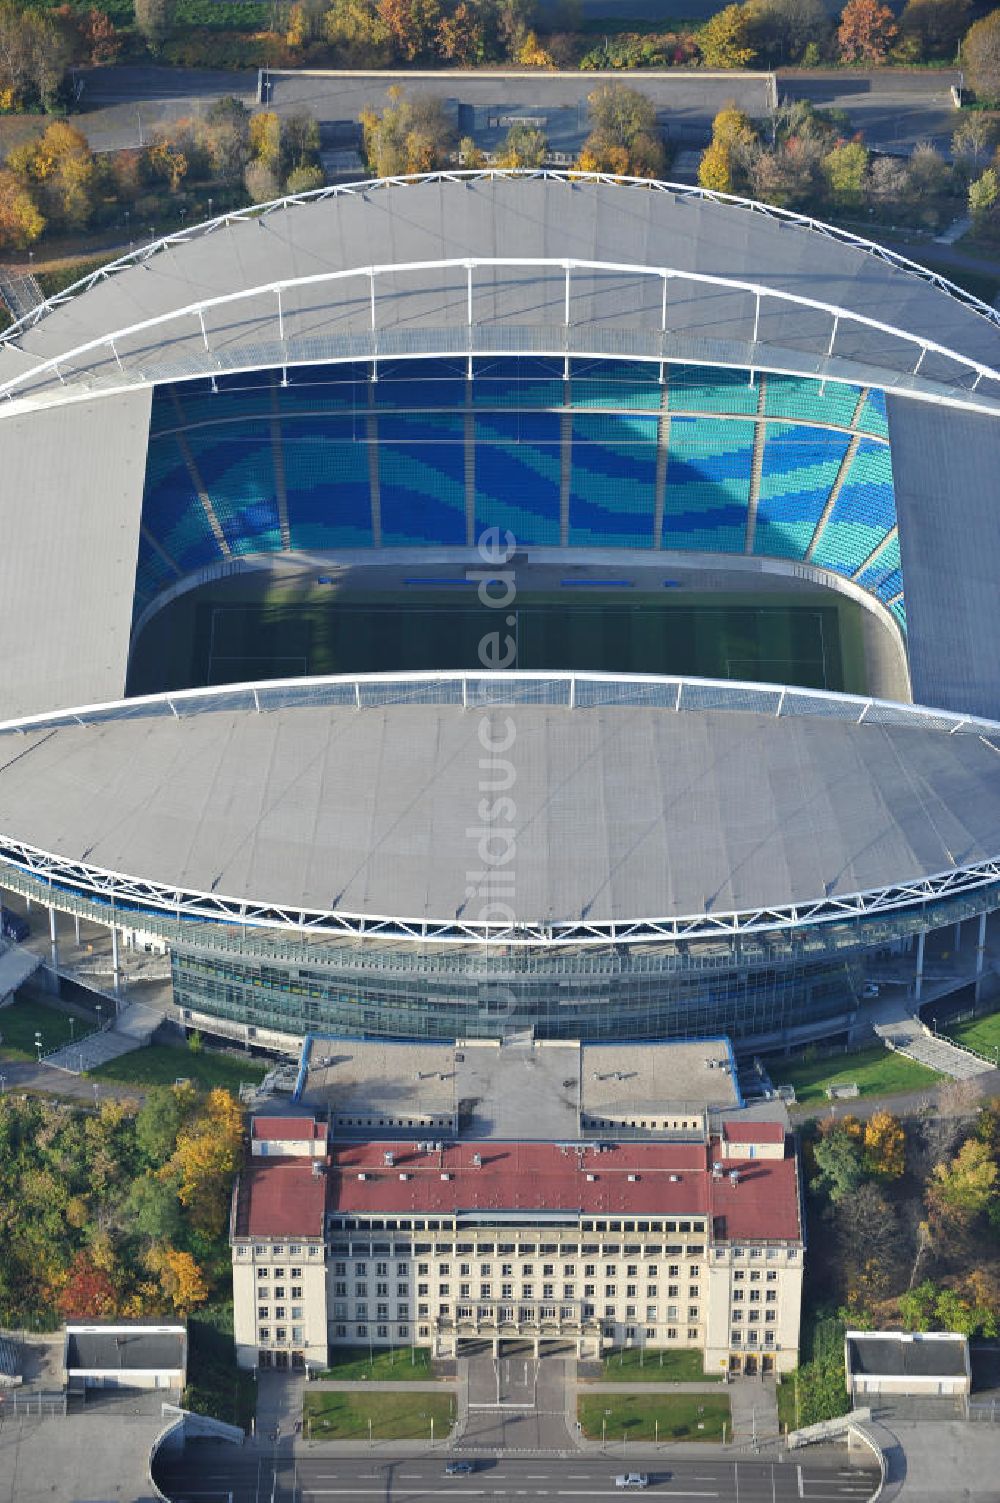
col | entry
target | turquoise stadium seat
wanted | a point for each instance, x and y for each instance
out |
(873, 416)
(708, 484)
(179, 521)
(326, 481)
(798, 468)
(235, 462)
(864, 513)
(612, 499)
(700, 388)
(622, 385)
(804, 399)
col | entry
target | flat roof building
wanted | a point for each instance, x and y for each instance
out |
(919, 1364)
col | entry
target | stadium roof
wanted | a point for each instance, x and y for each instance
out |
(326, 816)
(745, 285)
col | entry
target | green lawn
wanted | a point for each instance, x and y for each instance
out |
(351, 1364)
(787, 1416)
(982, 1034)
(394, 1416)
(878, 1072)
(24, 1017)
(681, 1416)
(650, 1366)
(162, 1064)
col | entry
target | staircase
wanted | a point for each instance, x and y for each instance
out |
(16, 965)
(132, 1029)
(20, 293)
(909, 1036)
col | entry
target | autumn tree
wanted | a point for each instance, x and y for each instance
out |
(725, 39)
(304, 179)
(715, 170)
(972, 142)
(155, 21)
(88, 1293)
(412, 26)
(205, 1161)
(21, 221)
(981, 57)
(408, 136)
(885, 1146)
(624, 136)
(181, 1280)
(60, 171)
(866, 32)
(524, 146)
(461, 35)
(358, 34)
(965, 1188)
(845, 168)
(35, 52)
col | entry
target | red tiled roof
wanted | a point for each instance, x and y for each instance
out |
(288, 1128)
(281, 1198)
(670, 1180)
(753, 1132)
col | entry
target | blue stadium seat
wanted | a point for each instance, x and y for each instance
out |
(613, 483)
(518, 467)
(422, 478)
(326, 480)
(798, 468)
(172, 509)
(873, 416)
(703, 388)
(235, 463)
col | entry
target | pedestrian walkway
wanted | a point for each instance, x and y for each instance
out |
(279, 1405)
(912, 1038)
(131, 1029)
(753, 1409)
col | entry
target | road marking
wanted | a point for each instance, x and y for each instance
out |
(802, 1489)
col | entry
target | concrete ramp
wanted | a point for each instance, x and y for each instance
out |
(132, 1029)
(16, 965)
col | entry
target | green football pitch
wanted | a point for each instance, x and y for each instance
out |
(219, 637)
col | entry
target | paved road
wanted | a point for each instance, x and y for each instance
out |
(208, 1473)
(894, 109)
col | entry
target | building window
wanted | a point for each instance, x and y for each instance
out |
(738, 1294)
(262, 1312)
(281, 1335)
(265, 1334)
(692, 1333)
(262, 1273)
(296, 1272)
(296, 1312)
(693, 1312)
(362, 1330)
(340, 1331)
(771, 1295)
(737, 1315)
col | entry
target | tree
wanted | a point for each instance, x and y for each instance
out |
(918, 1306)
(21, 222)
(531, 53)
(470, 155)
(304, 179)
(981, 57)
(155, 21)
(624, 138)
(715, 170)
(265, 139)
(206, 1158)
(983, 194)
(934, 27)
(356, 30)
(972, 141)
(781, 30)
(844, 169)
(62, 166)
(866, 32)
(965, 1188)
(725, 39)
(867, 1240)
(159, 1120)
(412, 25)
(407, 136)
(885, 1146)
(462, 35)
(839, 1163)
(153, 1209)
(524, 146)
(181, 1280)
(96, 38)
(88, 1293)
(262, 182)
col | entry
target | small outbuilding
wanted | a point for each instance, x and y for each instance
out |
(922, 1364)
(125, 1355)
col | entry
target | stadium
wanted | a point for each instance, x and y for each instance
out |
(494, 602)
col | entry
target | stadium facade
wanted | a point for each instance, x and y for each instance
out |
(477, 385)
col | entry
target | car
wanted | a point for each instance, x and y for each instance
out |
(459, 1468)
(632, 1481)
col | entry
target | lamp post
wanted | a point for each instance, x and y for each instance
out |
(72, 1028)
(38, 1046)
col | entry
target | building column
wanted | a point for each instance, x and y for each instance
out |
(980, 954)
(958, 936)
(918, 984)
(115, 962)
(76, 928)
(53, 939)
